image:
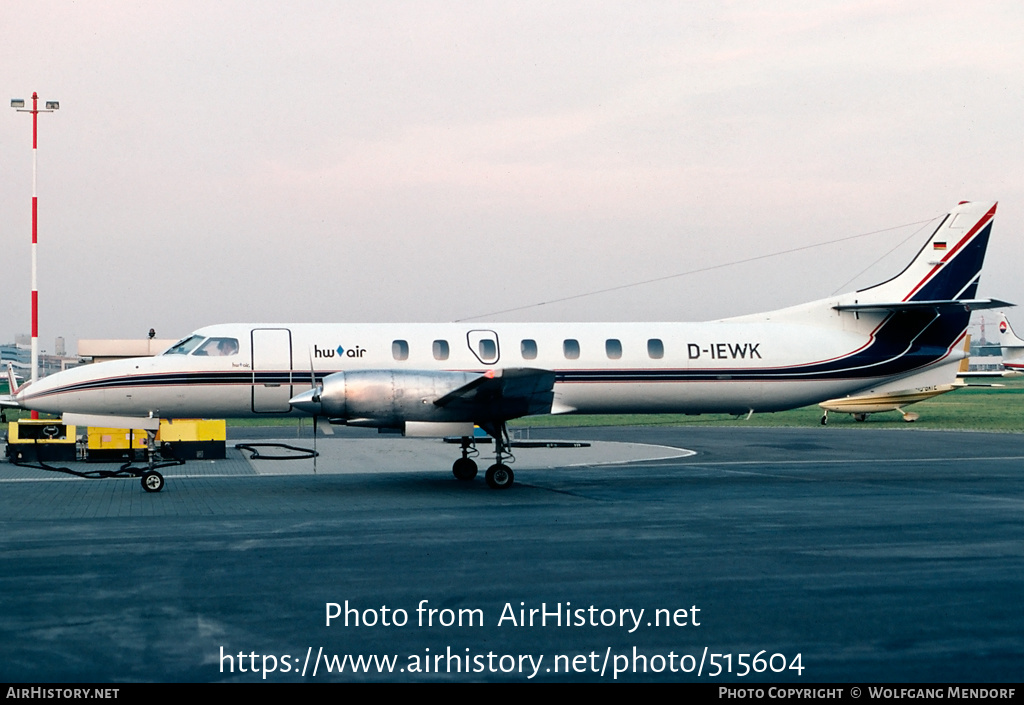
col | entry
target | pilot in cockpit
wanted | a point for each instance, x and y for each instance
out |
(218, 347)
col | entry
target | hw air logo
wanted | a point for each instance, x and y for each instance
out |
(1002, 326)
(340, 351)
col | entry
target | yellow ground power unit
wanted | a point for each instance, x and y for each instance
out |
(180, 439)
(40, 441)
(193, 439)
(114, 444)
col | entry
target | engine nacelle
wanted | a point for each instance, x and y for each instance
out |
(388, 398)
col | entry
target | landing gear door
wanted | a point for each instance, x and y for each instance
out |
(484, 345)
(271, 370)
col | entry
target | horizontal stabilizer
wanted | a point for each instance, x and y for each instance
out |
(968, 304)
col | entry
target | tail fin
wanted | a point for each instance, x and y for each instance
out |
(1012, 346)
(923, 312)
(12, 382)
(948, 267)
(8, 400)
(1007, 338)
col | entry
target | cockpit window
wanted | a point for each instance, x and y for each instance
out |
(184, 347)
(218, 347)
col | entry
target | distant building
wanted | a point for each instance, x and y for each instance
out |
(19, 354)
(990, 364)
(983, 348)
(100, 350)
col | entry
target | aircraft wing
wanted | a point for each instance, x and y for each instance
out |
(504, 394)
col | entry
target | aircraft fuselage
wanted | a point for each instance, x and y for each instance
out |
(693, 368)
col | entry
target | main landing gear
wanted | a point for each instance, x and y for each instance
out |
(499, 476)
(465, 467)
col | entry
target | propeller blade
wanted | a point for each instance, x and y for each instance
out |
(317, 391)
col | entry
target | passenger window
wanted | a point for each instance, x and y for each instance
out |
(440, 349)
(571, 348)
(218, 347)
(400, 350)
(529, 349)
(655, 348)
(613, 348)
(488, 349)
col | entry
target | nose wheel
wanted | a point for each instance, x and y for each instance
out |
(152, 481)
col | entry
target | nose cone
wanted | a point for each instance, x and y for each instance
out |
(29, 391)
(308, 401)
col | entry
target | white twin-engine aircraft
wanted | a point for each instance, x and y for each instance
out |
(440, 379)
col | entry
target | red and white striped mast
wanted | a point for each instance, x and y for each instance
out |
(51, 105)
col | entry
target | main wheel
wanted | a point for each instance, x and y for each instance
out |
(464, 469)
(152, 481)
(500, 477)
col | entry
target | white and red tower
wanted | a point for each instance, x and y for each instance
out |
(35, 110)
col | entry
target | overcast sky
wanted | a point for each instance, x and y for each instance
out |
(418, 161)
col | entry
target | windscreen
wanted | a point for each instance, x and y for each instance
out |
(184, 347)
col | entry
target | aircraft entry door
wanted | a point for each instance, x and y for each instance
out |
(271, 370)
